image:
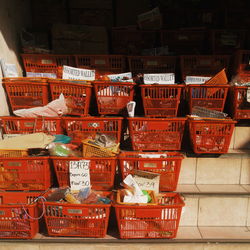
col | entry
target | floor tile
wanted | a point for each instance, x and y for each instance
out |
(225, 232)
(188, 233)
(248, 213)
(241, 140)
(188, 171)
(245, 171)
(183, 188)
(221, 188)
(247, 187)
(16, 246)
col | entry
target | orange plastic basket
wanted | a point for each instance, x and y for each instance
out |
(211, 136)
(152, 64)
(156, 134)
(203, 65)
(47, 63)
(26, 92)
(26, 173)
(168, 166)
(159, 221)
(112, 97)
(14, 221)
(77, 220)
(184, 41)
(240, 107)
(161, 100)
(102, 171)
(207, 96)
(87, 127)
(103, 64)
(23, 125)
(78, 91)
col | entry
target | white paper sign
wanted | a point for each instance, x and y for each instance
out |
(164, 78)
(78, 74)
(248, 94)
(79, 174)
(123, 77)
(35, 74)
(196, 79)
(9, 70)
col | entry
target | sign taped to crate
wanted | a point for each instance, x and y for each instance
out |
(248, 94)
(164, 78)
(78, 74)
(147, 180)
(196, 79)
(79, 174)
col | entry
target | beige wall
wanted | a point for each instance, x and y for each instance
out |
(14, 15)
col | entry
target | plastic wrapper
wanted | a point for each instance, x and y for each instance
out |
(62, 139)
(239, 80)
(60, 149)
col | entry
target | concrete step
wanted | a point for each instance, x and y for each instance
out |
(241, 137)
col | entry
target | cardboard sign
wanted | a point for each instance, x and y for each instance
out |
(78, 74)
(196, 79)
(79, 174)
(147, 180)
(168, 78)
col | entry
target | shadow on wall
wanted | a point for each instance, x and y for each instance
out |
(14, 15)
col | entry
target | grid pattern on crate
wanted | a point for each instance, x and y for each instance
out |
(240, 106)
(207, 96)
(79, 93)
(26, 173)
(203, 65)
(159, 221)
(102, 171)
(156, 133)
(161, 101)
(152, 64)
(45, 63)
(112, 97)
(88, 127)
(167, 164)
(14, 222)
(82, 220)
(23, 125)
(26, 93)
(210, 136)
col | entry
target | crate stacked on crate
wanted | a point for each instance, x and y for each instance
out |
(240, 108)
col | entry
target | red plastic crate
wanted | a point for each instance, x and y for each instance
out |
(211, 136)
(184, 41)
(241, 64)
(152, 64)
(227, 41)
(25, 173)
(156, 133)
(112, 97)
(87, 127)
(203, 65)
(154, 221)
(26, 92)
(132, 41)
(240, 107)
(23, 125)
(77, 220)
(78, 91)
(103, 64)
(161, 100)
(168, 167)
(207, 96)
(47, 63)
(14, 222)
(102, 171)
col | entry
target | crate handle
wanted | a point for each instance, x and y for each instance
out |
(149, 212)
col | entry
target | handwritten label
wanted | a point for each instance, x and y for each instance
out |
(78, 74)
(35, 74)
(196, 79)
(168, 78)
(79, 174)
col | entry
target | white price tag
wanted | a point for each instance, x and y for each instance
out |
(78, 74)
(196, 79)
(79, 174)
(166, 78)
(248, 94)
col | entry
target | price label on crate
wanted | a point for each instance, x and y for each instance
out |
(79, 174)
(168, 78)
(78, 74)
(248, 94)
(196, 79)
